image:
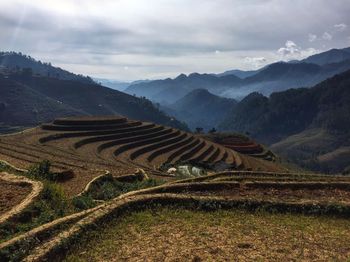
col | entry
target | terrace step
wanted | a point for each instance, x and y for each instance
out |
(173, 157)
(223, 158)
(133, 145)
(131, 139)
(95, 139)
(57, 136)
(192, 152)
(213, 156)
(32, 159)
(168, 149)
(82, 120)
(203, 153)
(157, 145)
(53, 127)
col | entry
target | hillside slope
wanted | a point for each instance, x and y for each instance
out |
(328, 57)
(20, 105)
(200, 108)
(325, 107)
(18, 61)
(51, 97)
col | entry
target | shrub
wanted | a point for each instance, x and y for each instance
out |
(84, 201)
(42, 171)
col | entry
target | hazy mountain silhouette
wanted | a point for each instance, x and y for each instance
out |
(272, 78)
(200, 108)
(303, 123)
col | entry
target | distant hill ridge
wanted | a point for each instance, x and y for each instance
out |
(272, 78)
(17, 61)
(29, 100)
(303, 124)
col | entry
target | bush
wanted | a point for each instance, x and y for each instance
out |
(83, 202)
(42, 171)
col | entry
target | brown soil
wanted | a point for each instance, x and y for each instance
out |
(24, 149)
(12, 194)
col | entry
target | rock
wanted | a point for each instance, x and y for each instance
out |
(197, 171)
(172, 171)
(184, 171)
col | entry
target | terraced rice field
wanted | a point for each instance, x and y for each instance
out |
(241, 144)
(90, 146)
(253, 210)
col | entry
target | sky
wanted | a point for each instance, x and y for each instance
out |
(149, 39)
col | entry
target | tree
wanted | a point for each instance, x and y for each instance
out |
(212, 131)
(199, 130)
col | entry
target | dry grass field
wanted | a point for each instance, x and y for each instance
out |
(235, 235)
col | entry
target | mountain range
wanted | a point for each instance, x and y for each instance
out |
(238, 84)
(301, 109)
(309, 126)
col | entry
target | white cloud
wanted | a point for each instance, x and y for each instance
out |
(290, 49)
(309, 51)
(256, 62)
(312, 37)
(327, 36)
(340, 27)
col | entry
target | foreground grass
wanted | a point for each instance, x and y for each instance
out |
(166, 234)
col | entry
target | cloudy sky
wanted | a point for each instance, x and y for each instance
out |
(148, 39)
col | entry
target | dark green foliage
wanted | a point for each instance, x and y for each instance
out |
(110, 187)
(327, 105)
(82, 202)
(42, 171)
(28, 66)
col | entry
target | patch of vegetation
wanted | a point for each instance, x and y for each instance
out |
(50, 205)
(84, 201)
(160, 233)
(110, 187)
(42, 171)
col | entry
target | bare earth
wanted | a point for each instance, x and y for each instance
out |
(12, 194)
